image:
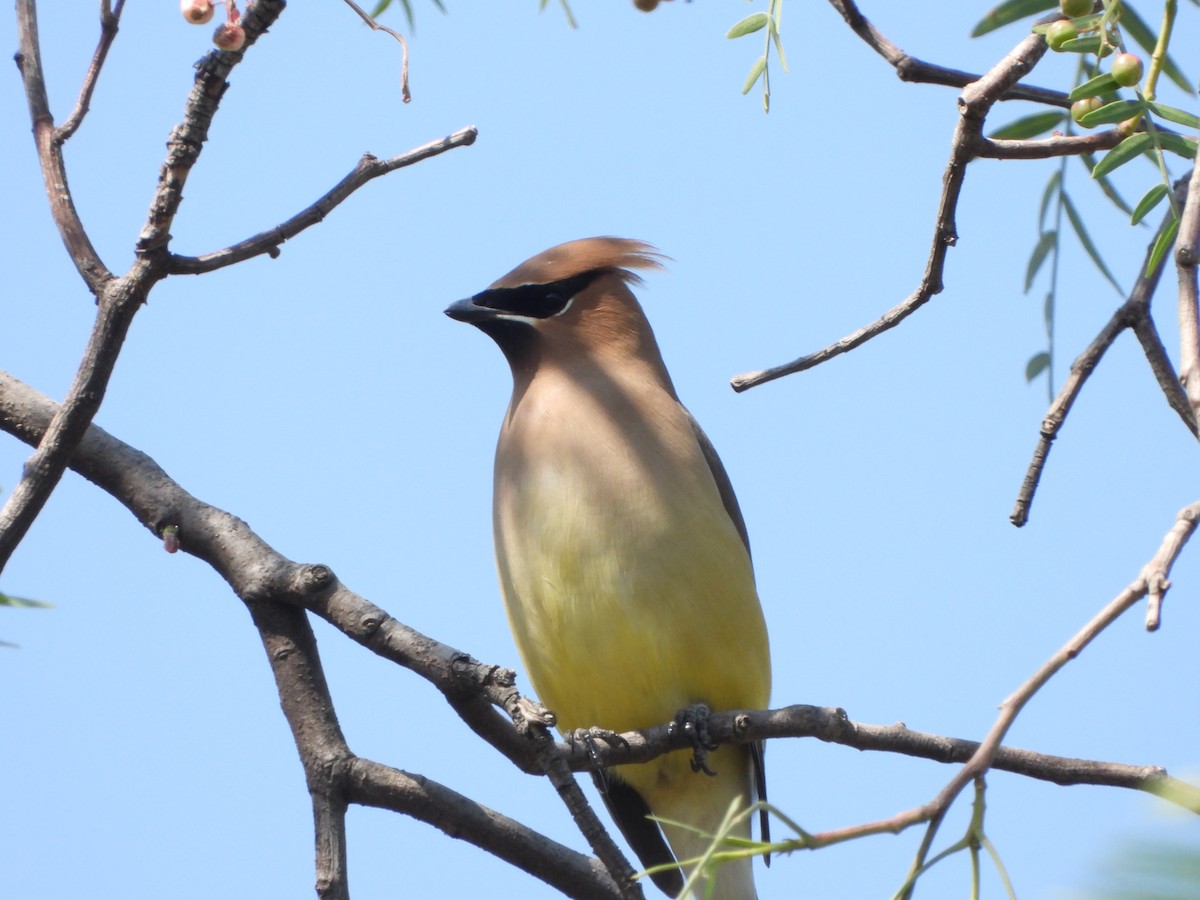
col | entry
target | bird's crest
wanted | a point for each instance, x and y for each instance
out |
(621, 255)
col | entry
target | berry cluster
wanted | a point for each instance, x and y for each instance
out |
(229, 34)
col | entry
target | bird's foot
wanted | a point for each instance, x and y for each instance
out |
(589, 736)
(693, 721)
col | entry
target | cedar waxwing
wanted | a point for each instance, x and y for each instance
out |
(622, 554)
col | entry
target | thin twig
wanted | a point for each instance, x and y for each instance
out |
(268, 242)
(1134, 313)
(914, 70)
(974, 104)
(375, 26)
(50, 157)
(1187, 254)
(110, 20)
(1059, 145)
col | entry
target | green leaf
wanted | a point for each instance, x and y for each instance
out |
(1094, 87)
(1038, 363)
(380, 7)
(1129, 148)
(1008, 12)
(752, 23)
(1172, 114)
(1047, 196)
(778, 45)
(756, 71)
(1149, 200)
(1137, 29)
(1041, 249)
(1177, 143)
(1089, 162)
(1162, 245)
(8, 600)
(1089, 44)
(1112, 112)
(1086, 240)
(1028, 126)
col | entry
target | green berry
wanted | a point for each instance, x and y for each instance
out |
(1073, 9)
(1127, 69)
(1081, 108)
(1059, 33)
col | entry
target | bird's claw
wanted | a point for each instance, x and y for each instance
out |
(693, 721)
(589, 736)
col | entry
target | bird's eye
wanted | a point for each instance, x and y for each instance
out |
(535, 301)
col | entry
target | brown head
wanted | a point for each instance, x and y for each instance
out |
(569, 305)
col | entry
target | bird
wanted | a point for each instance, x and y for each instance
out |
(623, 558)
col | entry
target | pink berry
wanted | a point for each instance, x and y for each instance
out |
(198, 12)
(229, 37)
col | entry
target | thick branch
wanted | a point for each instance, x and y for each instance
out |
(268, 242)
(974, 104)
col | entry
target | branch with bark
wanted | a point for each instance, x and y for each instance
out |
(278, 591)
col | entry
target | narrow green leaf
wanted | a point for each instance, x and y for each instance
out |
(1122, 153)
(752, 23)
(408, 15)
(1038, 363)
(778, 46)
(1177, 143)
(1028, 126)
(1136, 28)
(1086, 240)
(1045, 244)
(756, 71)
(1008, 12)
(1149, 200)
(9, 600)
(1089, 44)
(380, 7)
(1172, 114)
(1094, 87)
(1110, 191)
(1162, 245)
(1112, 112)
(1047, 196)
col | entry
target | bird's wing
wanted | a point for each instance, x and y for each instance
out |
(729, 500)
(724, 487)
(630, 812)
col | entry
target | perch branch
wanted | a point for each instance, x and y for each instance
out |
(367, 169)
(268, 583)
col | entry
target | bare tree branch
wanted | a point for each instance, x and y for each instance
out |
(49, 150)
(1059, 145)
(268, 242)
(974, 104)
(269, 583)
(110, 18)
(1187, 254)
(911, 69)
(1134, 313)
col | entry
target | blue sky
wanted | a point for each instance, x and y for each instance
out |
(325, 399)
